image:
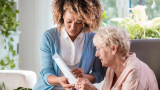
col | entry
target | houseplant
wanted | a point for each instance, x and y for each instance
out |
(8, 25)
(138, 25)
(19, 88)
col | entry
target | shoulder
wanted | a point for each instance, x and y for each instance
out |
(133, 68)
(90, 35)
(50, 35)
(51, 31)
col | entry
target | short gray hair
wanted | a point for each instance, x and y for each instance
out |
(111, 35)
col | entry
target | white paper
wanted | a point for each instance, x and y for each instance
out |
(65, 70)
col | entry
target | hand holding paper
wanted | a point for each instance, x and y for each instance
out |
(65, 70)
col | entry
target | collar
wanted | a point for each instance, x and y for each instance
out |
(65, 34)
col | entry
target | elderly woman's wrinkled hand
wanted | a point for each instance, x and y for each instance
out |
(78, 72)
(84, 84)
(65, 84)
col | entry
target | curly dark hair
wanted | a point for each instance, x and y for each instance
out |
(89, 10)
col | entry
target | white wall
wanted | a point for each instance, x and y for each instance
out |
(34, 19)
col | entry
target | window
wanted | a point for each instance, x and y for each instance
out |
(111, 11)
(153, 7)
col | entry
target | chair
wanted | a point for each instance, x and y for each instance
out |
(148, 51)
(17, 78)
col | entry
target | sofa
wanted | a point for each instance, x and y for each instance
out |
(17, 78)
(148, 51)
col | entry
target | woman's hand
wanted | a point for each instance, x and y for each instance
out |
(78, 72)
(65, 84)
(84, 84)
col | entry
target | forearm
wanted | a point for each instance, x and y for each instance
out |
(90, 77)
(53, 80)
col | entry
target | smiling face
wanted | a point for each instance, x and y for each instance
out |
(104, 54)
(73, 26)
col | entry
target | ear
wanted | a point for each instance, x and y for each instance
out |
(114, 49)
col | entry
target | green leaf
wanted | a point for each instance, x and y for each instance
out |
(11, 39)
(8, 59)
(10, 47)
(20, 88)
(2, 63)
(3, 86)
(104, 14)
(17, 11)
(12, 61)
(12, 3)
(4, 47)
(12, 66)
(14, 53)
(5, 26)
(17, 24)
(14, 14)
(3, 68)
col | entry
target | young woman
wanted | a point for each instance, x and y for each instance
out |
(73, 41)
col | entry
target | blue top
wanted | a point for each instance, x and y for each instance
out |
(50, 44)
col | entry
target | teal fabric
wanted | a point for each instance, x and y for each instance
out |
(50, 44)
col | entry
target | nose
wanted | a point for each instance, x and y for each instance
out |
(73, 26)
(97, 54)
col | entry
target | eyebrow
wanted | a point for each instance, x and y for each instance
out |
(71, 20)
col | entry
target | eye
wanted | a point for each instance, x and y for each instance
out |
(69, 21)
(78, 22)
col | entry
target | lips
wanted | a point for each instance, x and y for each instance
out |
(72, 31)
(101, 60)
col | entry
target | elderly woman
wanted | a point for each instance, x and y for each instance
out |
(73, 42)
(125, 71)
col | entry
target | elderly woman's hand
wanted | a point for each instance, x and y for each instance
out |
(84, 84)
(65, 84)
(78, 72)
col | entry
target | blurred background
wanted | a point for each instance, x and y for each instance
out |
(20, 49)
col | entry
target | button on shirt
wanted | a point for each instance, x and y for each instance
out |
(70, 52)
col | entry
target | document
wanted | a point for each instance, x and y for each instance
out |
(65, 70)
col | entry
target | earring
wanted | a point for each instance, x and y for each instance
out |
(83, 25)
(113, 53)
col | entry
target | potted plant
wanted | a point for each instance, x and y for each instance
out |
(138, 25)
(8, 26)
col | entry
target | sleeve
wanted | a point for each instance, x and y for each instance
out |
(46, 58)
(97, 70)
(153, 85)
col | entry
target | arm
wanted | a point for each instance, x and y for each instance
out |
(48, 66)
(46, 59)
(97, 70)
(95, 65)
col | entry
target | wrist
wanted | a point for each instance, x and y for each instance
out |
(59, 80)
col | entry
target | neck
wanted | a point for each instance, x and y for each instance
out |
(118, 66)
(73, 38)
